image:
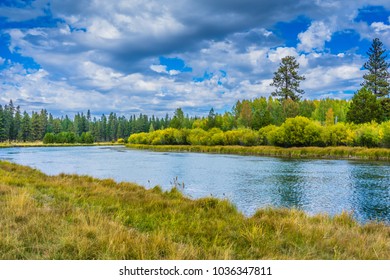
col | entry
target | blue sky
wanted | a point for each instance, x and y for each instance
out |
(155, 56)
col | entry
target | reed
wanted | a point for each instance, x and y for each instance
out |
(41, 144)
(340, 152)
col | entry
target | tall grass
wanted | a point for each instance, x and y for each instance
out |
(80, 217)
(41, 144)
(295, 152)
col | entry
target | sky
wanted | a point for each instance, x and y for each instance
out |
(151, 57)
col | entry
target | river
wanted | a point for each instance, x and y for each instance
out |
(315, 186)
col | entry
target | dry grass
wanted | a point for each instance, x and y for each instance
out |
(41, 144)
(79, 217)
(340, 152)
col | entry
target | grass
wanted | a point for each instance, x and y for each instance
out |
(339, 152)
(80, 217)
(41, 144)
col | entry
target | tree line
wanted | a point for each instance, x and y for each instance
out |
(252, 114)
(82, 128)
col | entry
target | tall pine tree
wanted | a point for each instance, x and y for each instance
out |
(377, 78)
(286, 79)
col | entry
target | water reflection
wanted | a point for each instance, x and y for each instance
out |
(289, 188)
(371, 193)
(315, 186)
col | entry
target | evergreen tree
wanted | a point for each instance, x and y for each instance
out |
(35, 126)
(211, 119)
(25, 128)
(364, 108)
(286, 79)
(178, 119)
(377, 78)
(17, 124)
(3, 135)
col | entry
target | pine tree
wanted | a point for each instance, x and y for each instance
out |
(377, 78)
(3, 135)
(25, 128)
(286, 79)
(364, 108)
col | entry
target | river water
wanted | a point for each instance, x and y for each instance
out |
(315, 186)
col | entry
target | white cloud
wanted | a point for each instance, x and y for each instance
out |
(332, 78)
(2, 60)
(159, 68)
(379, 27)
(163, 69)
(314, 37)
(280, 52)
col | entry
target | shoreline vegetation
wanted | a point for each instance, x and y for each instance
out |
(359, 153)
(338, 152)
(41, 144)
(80, 217)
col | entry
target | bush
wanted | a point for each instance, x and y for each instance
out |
(197, 136)
(294, 132)
(216, 137)
(312, 134)
(67, 138)
(248, 137)
(368, 135)
(385, 127)
(298, 131)
(139, 138)
(335, 135)
(87, 138)
(49, 138)
(265, 134)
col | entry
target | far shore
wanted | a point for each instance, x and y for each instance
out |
(41, 144)
(340, 152)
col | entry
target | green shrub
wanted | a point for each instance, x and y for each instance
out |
(294, 132)
(368, 135)
(49, 138)
(197, 136)
(385, 126)
(335, 135)
(312, 134)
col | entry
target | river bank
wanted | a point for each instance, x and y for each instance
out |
(80, 217)
(41, 144)
(360, 153)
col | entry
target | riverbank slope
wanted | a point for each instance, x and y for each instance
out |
(80, 217)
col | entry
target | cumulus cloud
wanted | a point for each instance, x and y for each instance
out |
(314, 37)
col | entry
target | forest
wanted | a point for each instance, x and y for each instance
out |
(250, 122)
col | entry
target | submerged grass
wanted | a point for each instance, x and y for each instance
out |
(80, 217)
(340, 152)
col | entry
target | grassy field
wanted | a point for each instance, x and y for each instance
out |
(340, 152)
(79, 217)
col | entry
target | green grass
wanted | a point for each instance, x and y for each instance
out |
(80, 217)
(296, 152)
